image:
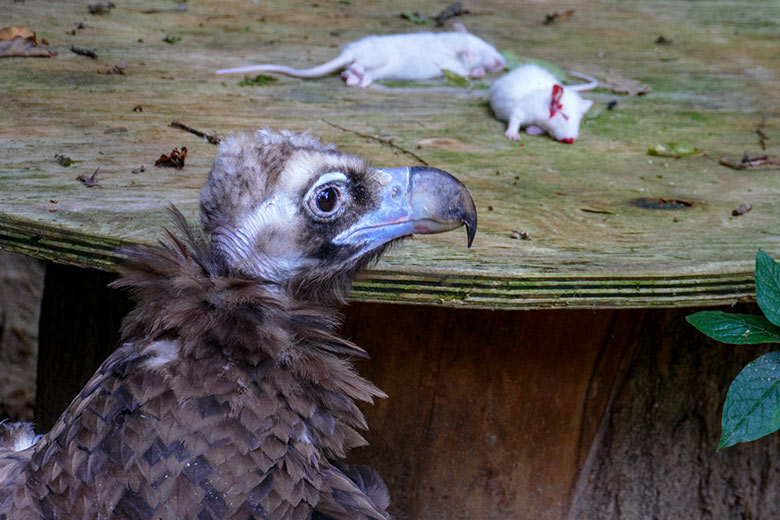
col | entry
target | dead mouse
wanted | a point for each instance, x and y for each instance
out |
(401, 56)
(531, 97)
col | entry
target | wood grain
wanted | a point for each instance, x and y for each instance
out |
(590, 248)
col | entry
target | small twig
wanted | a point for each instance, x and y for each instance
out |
(597, 211)
(762, 137)
(750, 161)
(210, 138)
(83, 51)
(448, 12)
(386, 142)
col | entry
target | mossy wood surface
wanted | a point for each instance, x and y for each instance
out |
(590, 245)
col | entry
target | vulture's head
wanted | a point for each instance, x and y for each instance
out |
(294, 212)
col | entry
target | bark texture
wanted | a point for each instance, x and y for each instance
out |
(655, 456)
(21, 285)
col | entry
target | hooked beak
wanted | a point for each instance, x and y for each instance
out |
(413, 199)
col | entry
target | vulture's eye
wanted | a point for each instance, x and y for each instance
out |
(327, 201)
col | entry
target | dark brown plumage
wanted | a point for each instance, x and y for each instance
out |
(231, 395)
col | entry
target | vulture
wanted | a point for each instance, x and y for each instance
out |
(231, 395)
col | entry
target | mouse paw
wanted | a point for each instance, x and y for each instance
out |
(351, 77)
(477, 73)
(512, 135)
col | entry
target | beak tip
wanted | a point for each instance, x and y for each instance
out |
(471, 227)
(470, 232)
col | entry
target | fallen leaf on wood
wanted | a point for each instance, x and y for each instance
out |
(20, 42)
(171, 38)
(16, 31)
(260, 80)
(89, 181)
(175, 159)
(520, 235)
(558, 17)
(101, 8)
(139, 170)
(119, 68)
(415, 17)
(622, 85)
(741, 210)
(675, 150)
(447, 143)
(64, 160)
(750, 161)
(455, 79)
(83, 51)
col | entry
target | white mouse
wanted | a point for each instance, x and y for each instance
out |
(401, 56)
(531, 97)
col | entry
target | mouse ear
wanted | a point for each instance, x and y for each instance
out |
(555, 99)
(459, 27)
(467, 56)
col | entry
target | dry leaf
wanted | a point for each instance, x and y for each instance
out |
(175, 159)
(119, 68)
(558, 17)
(17, 41)
(16, 31)
(446, 143)
(520, 235)
(91, 180)
(622, 85)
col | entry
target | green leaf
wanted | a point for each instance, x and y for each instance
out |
(738, 329)
(261, 80)
(64, 160)
(171, 38)
(752, 407)
(416, 17)
(768, 286)
(455, 79)
(675, 150)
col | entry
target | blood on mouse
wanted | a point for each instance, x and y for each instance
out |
(530, 97)
(410, 56)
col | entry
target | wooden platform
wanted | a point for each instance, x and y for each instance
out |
(598, 403)
(594, 244)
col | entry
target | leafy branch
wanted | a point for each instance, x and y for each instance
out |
(752, 407)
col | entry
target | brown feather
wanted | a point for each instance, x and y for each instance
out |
(228, 398)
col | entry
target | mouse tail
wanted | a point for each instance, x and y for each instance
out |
(338, 63)
(592, 82)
